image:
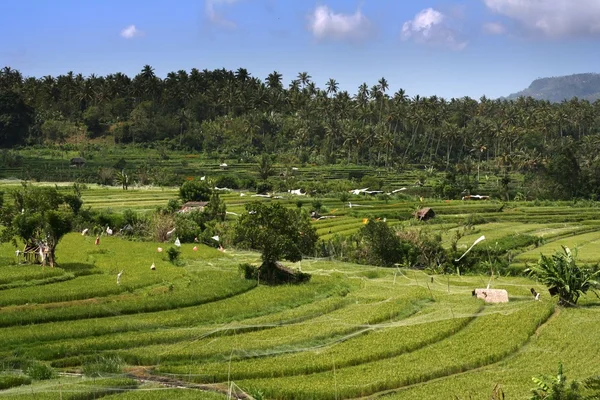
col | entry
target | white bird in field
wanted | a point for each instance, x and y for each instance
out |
(153, 267)
(169, 233)
(84, 232)
(203, 178)
(119, 277)
(109, 231)
(242, 194)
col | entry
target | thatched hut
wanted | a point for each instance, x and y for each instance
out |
(424, 214)
(77, 162)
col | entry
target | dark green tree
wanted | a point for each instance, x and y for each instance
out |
(277, 232)
(195, 191)
(15, 118)
(379, 245)
(216, 208)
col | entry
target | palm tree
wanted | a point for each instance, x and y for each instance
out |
(332, 86)
(304, 78)
(274, 81)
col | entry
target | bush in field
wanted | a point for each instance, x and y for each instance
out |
(227, 181)
(379, 245)
(187, 226)
(109, 218)
(263, 188)
(40, 371)
(372, 182)
(194, 191)
(106, 176)
(103, 365)
(173, 253)
(562, 275)
(248, 182)
(556, 388)
(427, 251)
(215, 209)
(160, 224)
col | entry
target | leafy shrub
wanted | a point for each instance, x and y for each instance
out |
(227, 181)
(40, 371)
(373, 183)
(562, 275)
(317, 205)
(130, 217)
(248, 271)
(106, 176)
(356, 175)
(379, 245)
(186, 227)
(160, 224)
(248, 182)
(103, 365)
(273, 273)
(194, 191)
(173, 253)
(344, 197)
(263, 188)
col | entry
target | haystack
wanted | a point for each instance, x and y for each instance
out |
(492, 295)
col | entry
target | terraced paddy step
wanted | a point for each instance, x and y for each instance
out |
(498, 332)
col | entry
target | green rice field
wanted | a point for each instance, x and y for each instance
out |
(199, 330)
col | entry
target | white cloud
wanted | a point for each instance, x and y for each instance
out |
(214, 17)
(552, 18)
(494, 28)
(324, 23)
(130, 32)
(431, 27)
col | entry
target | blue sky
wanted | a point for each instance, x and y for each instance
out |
(450, 48)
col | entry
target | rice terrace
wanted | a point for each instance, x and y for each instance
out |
(196, 328)
(210, 235)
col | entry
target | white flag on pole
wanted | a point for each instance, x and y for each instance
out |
(469, 249)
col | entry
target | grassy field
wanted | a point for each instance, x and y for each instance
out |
(198, 330)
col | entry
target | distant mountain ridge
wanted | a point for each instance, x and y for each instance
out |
(556, 89)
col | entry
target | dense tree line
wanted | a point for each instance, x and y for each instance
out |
(233, 114)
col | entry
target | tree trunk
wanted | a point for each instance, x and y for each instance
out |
(50, 257)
